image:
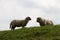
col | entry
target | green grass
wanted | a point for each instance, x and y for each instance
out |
(33, 33)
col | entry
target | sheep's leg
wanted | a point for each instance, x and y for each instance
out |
(22, 26)
(13, 27)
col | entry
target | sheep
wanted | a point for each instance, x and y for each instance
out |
(44, 22)
(19, 23)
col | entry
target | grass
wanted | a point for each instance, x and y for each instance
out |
(33, 33)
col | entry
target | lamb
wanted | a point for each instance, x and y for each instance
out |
(44, 22)
(19, 23)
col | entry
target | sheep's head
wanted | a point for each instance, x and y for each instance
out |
(39, 19)
(28, 18)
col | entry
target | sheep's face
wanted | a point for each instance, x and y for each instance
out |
(39, 19)
(28, 18)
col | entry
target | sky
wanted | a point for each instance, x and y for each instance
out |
(20, 9)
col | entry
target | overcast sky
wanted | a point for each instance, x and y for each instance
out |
(20, 9)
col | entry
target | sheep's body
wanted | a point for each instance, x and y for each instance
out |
(48, 22)
(44, 22)
(19, 23)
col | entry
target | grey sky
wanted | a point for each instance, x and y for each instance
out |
(19, 9)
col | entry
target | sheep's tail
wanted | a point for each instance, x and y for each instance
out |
(51, 22)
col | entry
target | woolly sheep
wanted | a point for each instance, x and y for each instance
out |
(44, 22)
(19, 23)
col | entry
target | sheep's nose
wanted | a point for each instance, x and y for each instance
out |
(30, 18)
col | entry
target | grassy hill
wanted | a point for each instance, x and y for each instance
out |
(33, 33)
